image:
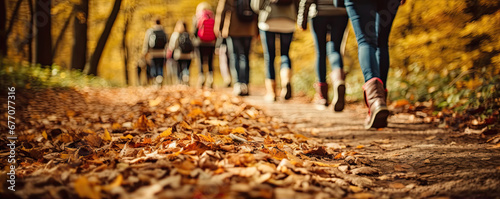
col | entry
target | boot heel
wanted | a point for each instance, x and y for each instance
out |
(379, 119)
(339, 98)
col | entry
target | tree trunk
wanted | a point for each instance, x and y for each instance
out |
(43, 43)
(125, 49)
(13, 16)
(96, 56)
(79, 56)
(61, 34)
(30, 31)
(3, 30)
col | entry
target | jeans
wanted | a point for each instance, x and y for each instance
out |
(372, 22)
(156, 68)
(269, 44)
(205, 54)
(183, 68)
(321, 26)
(239, 50)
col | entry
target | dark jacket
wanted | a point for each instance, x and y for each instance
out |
(228, 24)
(313, 8)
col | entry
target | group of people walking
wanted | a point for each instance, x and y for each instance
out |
(229, 31)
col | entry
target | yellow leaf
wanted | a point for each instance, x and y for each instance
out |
(127, 137)
(195, 112)
(64, 156)
(84, 189)
(239, 130)
(70, 113)
(116, 126)
(360, 146)
(196, 102)
(116, 183)
(155, 102)
(166, 133)
(106, 136)
(174, 108)
(44, 134)
(355, 189)
(320, 164)
(206, 138)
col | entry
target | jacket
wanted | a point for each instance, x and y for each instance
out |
(313, 8)
(276, 18)
(173, 46)
(228, 24)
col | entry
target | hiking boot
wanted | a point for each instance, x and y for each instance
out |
(210, 80)
(158, 80)
(286, 76)
(374, 94)
(270, 90)
(201, 80)
(338, 82)
(320, 99)
(237, 89)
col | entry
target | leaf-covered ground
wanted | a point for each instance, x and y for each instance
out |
(174, 142)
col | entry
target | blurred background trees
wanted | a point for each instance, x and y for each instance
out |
(445, 51)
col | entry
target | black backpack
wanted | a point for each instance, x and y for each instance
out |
(244, 11)
(158, 39)
(185, 43)
(282, 2)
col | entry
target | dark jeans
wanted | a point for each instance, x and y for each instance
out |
(269, 44)
(372, 22)
(156, 68)
(183, 68)
(321, 26)
(206, 55)
(239, 49)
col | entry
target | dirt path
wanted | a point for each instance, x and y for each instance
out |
(414, 159)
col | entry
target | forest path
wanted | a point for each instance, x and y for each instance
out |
(414, 159)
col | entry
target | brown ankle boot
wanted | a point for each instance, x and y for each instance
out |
(375, 99)
(338, 82)
(321, 97)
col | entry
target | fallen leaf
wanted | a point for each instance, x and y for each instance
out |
(364, 171)
(84, 189)
(355, 189)
(128, 137)
(360, 146)
(106, 136)
(430, 137)
(238, 130)
(116, 183)
(397, 185)
(166, 133)
(44, 134)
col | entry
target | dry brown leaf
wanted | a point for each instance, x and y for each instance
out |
(143, 123)
(116, 183)
(397, 185)
(364, 171)
(320, 151)
(127, 137)
(277, 153)
(238, 130)
(166, 133)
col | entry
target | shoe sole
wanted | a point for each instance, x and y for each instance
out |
(288, 91)
(340, 99)
(380, 118)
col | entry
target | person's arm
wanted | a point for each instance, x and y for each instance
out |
(219, 17)
(145, 45)
(303, 13)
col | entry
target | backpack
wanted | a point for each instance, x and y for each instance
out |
(206, 26)
(243, 11)
(157, 39)
(282, 2)
(185, 43)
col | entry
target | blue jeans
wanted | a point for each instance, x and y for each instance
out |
(156, 68)
(321, 26)
(239, 50)
(372, 22)
(183, 68)
(269, 44)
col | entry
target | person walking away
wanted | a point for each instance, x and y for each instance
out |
(155, 42)
(221, 50)
(276, 19)
(236, 21)
(205, 42)
(372, 22)
(182, 51)
(326, 21)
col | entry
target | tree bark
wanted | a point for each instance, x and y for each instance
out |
(13, 16)
(43, 43)
(79, 54)
(3, 30)
(30, 32)
(96, 56)
(61, 34)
